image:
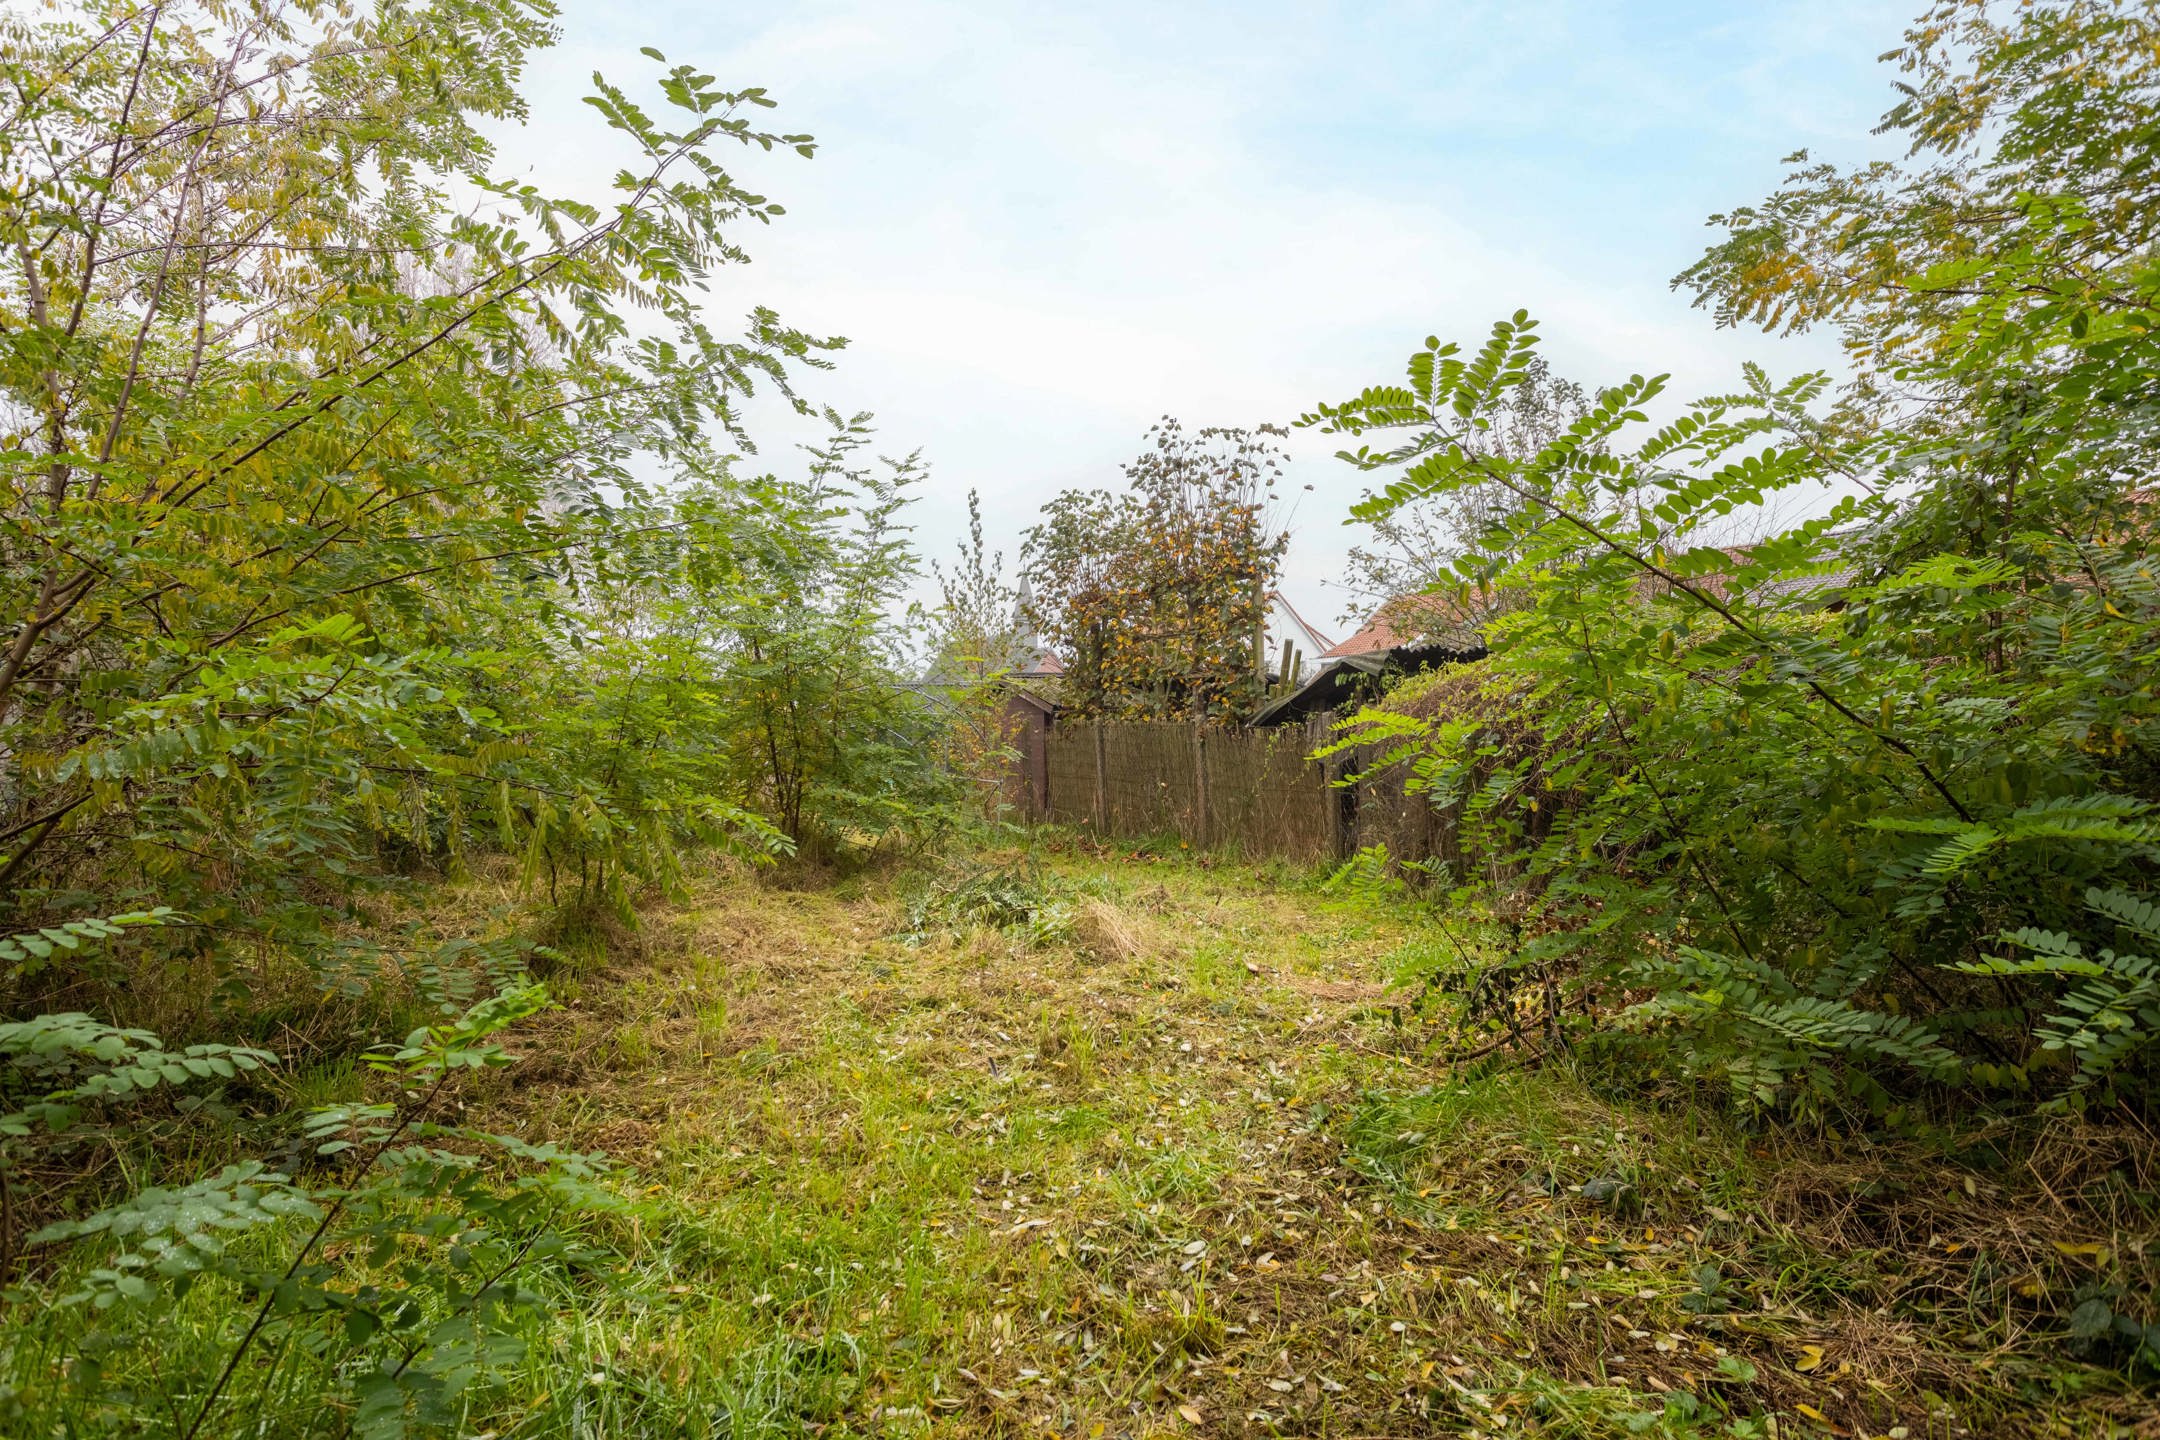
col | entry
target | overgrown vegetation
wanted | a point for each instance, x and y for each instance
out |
(369, 516)
(1012, 897)
(1860, 814)
(396, 641)
(1406, 567)
(1191, 1155)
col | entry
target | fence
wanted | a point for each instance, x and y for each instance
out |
(1215, 786)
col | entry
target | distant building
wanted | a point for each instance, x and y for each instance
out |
(1287, 628)
(1410, 620)
(1409, 632)
(1031, 660)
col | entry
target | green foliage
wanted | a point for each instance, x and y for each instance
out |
(403, 1275)
(1412, 547)
(99, 1063)
(1367, 875)
(2105, 1005)
(69, 1077)
(333, 546)
(979, 640)
(978, 629)
(29, 953)
(367, 512)
(818, 729)
(1793, 789)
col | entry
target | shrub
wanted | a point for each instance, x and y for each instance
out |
(1787, 798)
(397, 1276)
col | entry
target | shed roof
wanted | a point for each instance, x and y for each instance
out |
(1339, 676)
(1031, 699)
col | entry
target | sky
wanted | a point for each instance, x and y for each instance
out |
(1042, 227)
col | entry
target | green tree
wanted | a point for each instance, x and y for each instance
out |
(820, 728)
(978, 630)
(1413, 548)
(1868, 803)
(1806, 794)
(979, 639)
(296, 395)
(330, 554)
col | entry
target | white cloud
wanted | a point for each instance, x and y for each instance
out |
(1042, 228)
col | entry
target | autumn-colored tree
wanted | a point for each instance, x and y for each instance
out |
(1154, 596)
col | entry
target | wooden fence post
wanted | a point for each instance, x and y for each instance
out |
(1341, 800)
(1348, 796)
(1102, 797)
(1316, 730)
(1039, 769)
(1203, 821)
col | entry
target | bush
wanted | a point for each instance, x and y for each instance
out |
(396, 1277)
(1863, 810)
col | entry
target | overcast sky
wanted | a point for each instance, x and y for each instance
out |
(1041, 227)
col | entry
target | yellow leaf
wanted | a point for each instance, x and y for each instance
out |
(2090, 1250)
(1811, 1412)
(1811, 1356)
(1191, 1413)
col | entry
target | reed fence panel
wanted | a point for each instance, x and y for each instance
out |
(1256, 791)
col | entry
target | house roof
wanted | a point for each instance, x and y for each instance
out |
(1427, 618)
(1313, 632)
(1407, 620)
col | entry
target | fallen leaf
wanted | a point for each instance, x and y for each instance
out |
(1811, 1357)
(1191, 1413)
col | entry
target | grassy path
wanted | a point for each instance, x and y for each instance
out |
(1175, 1172)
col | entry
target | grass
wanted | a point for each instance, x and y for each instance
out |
(1173, 1165)
(1177, 1170)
